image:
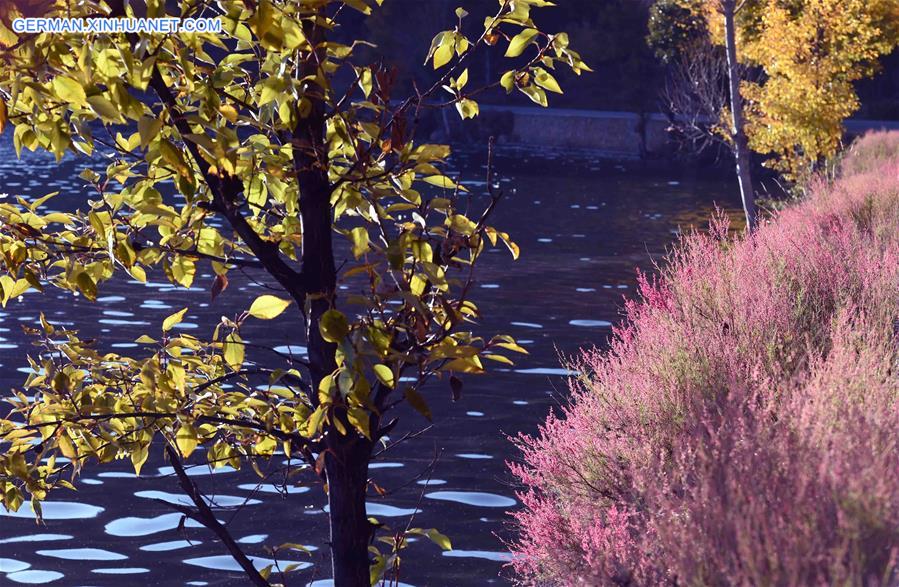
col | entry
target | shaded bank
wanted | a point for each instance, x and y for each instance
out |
(744, 426)
(612, 134)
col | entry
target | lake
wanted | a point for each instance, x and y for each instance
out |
(583, 225)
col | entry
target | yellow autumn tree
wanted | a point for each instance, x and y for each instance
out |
(812, 52)
(802, 58)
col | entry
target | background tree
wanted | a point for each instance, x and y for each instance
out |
(792, 65)
(812, 53)
(278, 138)
(705, 94)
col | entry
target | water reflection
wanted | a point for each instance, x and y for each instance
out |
(215, 501)
(475, 498)
(502, 557)
(122, 571)
(84, 554)
(134, 526)
(227, 563)
(9, 565)
(170, 545)
(35, 577)
(56, 510)
(35, 538)
(590, 323)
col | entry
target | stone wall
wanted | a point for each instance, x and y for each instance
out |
(615, 134)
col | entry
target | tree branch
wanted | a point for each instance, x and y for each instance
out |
(205, 516)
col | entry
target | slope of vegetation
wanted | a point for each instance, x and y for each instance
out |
(743, 428)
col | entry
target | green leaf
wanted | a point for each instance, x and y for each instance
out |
(333, 326)
(267, 307)
(172, 320)
(520, 41)
(69, 91)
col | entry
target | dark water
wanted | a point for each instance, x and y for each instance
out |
(583, 226)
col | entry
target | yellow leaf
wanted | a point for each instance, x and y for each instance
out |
(513, 347)
(440, 181)
(441, 540)
(359, 236)
(4, 116)
(417, 401)
(172, 320)
(69, 91)
(148, 128)
(66, 447)
(519, 42)
(464, 365)
(333, 326)
(183, 270)
(186, 439)
(138, 273)
(139, 457)
(385, 375)
(229, 112)
(467, 108)
(105, 108)
(266, 307)
(444, 51)
(233, 349)
(546, 81)
(359, 419)
(498, 358)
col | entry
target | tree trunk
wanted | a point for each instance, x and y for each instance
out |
(738, 126)
(347, 473)
(346, 455)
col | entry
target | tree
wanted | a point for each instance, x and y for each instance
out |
(812, 53)
(704, 92)
(279, 133)
(806, 54)
(728, 10)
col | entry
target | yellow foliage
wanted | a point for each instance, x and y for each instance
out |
(810, 53)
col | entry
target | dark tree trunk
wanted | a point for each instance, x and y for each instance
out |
(347, 473)
(738, 123)
(346, 456)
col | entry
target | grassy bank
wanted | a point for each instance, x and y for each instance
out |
(744, 426)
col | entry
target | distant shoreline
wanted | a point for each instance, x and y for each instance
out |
(611, 134)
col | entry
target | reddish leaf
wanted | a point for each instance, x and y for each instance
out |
(219, 284)
(456, 386)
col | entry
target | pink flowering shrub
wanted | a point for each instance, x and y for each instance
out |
(743, 428)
